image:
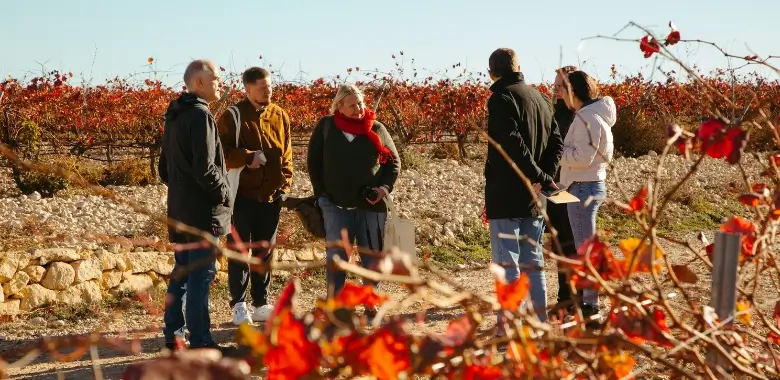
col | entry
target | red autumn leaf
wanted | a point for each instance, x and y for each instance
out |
(684, 274)
(761, 189)
(284, 302)
(478, 372)
(352, 295)
(719, 141)
(774, 338)
(747, 229)
(776, 314)
(750, 199)
(291, 354)
(510, 296)
(435, 348)
(638, 202)
(636, 327)
(483, 216)
(674, 35)
(603, 261)
(649, 45)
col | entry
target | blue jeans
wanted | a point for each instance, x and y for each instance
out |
(196, 269)
(511, 253)
(583, 220)
(367, 227)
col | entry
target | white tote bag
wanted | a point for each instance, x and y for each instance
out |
(235, 173)
(398, 232)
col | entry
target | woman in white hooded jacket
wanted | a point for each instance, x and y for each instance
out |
(587, 151)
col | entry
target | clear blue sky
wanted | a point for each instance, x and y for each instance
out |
(324, 38)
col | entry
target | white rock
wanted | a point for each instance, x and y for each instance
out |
(88, 269)
(10, 307)
(34, 296)
(58, 276)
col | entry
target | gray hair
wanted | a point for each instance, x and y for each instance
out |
(197, 68)
(345, 90)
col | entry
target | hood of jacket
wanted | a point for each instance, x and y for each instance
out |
(603, 107)
(185, 101)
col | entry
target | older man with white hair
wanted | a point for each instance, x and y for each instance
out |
(192, 164)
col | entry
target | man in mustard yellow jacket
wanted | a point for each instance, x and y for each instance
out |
(264, 150)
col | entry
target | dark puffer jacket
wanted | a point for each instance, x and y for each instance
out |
(193, 166)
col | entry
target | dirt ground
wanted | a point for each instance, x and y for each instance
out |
(147, 328)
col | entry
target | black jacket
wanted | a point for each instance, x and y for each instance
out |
(520, 119)
(193, 166)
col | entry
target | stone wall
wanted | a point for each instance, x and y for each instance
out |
(71, 276)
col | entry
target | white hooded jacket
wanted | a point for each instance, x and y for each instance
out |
(581, 162)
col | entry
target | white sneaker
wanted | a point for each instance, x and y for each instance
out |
(241, 314)
(262, 313)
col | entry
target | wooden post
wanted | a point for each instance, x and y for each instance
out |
(724, 286)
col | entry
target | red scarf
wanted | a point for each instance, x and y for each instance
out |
(363, 127)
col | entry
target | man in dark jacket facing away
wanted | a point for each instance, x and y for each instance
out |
(558, 213)
(193, 166)
(264, 150)
(520, 120)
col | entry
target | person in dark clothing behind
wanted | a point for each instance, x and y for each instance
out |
(520, 119)
(353, 164)
(558, 213)
(264, 149)
(193, 167)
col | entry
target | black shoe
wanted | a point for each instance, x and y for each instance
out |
(588, 311)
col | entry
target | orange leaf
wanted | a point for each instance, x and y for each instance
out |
(292, 355)
(247, 335)
(744, 307)
(621, 364)
(641, 263)
(750, 199)
(638, 202)
(352, 295)
(150, 60)
(510, 296)
(384, 353)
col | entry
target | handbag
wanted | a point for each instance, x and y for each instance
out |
(234, 174)
(309, 213)
(398, 232)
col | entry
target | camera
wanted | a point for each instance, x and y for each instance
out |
(369, 193)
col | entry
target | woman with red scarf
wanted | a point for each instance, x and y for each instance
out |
(353, 164)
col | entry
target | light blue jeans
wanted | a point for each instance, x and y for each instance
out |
(582, 217)
(510, 253)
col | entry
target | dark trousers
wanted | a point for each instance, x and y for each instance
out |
(559, 217)
(255, 222)
(196, 268)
